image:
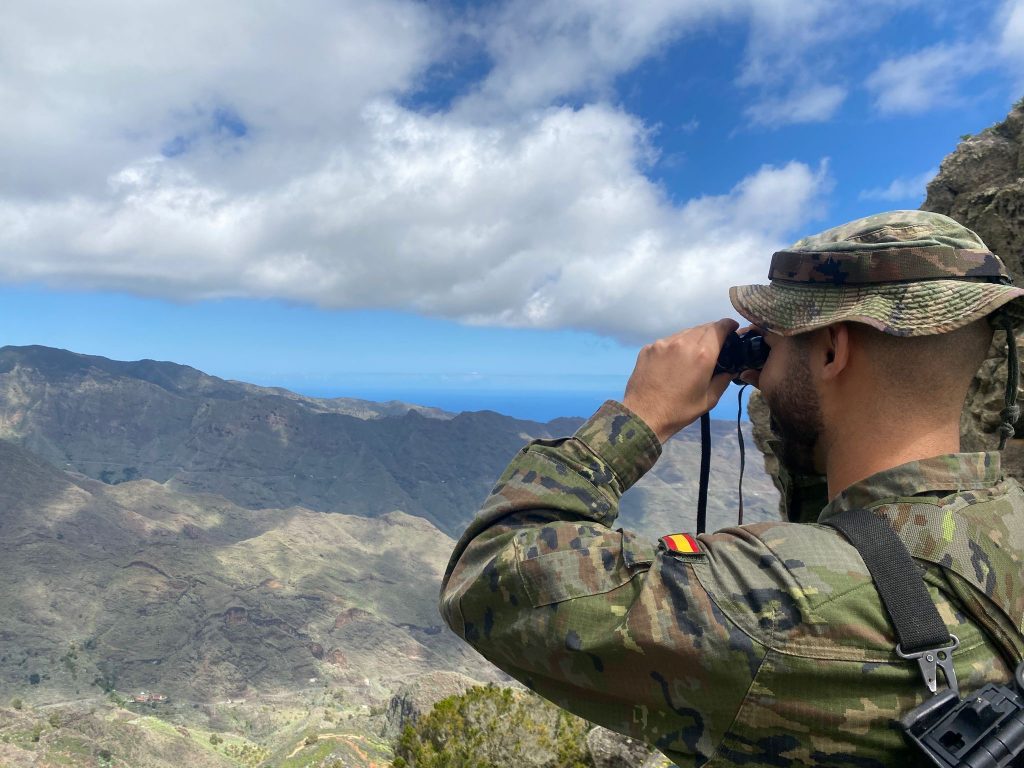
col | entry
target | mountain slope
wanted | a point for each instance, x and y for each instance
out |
(263, 448)
(145, 588)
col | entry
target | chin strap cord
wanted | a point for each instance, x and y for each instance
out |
(705, 463)
(743, 452)
(1011, 412)
(705, 473)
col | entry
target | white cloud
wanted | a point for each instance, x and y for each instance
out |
(813, 104)
(794, 60)
(97, 86)
(903, 189)
(547, 223)
(545, 49)
(1010, 23)
(925, 79)
(937, 76)
(290, 168)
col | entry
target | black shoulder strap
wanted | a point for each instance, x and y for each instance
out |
(898, 578)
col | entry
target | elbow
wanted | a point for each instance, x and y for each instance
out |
(450, 609)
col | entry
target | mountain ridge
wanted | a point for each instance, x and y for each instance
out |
(116, 421)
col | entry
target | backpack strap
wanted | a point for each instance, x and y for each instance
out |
(920, 632)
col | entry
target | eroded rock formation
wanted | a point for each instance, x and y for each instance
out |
(981, 185)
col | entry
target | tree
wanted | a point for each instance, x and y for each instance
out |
(492, 727)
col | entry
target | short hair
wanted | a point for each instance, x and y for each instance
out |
(933, 371)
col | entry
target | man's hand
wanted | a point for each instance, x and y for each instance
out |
(672, 383)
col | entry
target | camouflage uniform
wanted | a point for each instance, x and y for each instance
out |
(767, 645)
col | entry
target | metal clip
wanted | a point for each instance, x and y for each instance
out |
(931, 658)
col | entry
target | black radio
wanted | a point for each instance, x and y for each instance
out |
(985, 730)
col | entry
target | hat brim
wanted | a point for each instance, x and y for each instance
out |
(901, 309)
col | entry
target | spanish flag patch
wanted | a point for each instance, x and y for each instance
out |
(683, 543)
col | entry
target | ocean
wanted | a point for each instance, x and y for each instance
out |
(529, 404)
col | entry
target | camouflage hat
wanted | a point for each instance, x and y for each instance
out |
(906, 273)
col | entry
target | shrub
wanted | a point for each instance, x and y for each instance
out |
(54, 719)
(492, 727)
(17, 703)
(215, 739)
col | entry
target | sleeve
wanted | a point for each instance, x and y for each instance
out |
(613, 628)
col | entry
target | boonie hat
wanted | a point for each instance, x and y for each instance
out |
(906, 273)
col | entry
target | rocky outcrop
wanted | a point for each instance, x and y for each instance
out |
(608, 749)
(418, 697)
(981, 185)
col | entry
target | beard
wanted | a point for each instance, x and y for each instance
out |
(796, 419)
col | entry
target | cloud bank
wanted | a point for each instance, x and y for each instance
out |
(192, 151)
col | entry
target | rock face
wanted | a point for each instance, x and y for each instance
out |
(418, 697)
(608, 749)
(981, 185)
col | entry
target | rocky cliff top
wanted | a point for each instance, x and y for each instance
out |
(981, 185)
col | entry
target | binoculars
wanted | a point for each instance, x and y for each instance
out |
(742, 353)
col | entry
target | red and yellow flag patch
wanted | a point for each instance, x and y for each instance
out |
(683, 543)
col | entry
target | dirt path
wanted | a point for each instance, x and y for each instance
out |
(351, 739)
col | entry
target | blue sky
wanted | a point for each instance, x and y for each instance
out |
(470, 205)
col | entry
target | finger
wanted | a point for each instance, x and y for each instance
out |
(749, 329)
(719, 383)
(714, 334)
(723, 328)
(751, 376)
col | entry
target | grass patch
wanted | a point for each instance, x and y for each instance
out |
(156, 724)
(25, 739)
(69, 751)
(312, 755)
(72, 745)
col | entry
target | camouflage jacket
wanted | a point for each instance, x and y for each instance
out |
(768, 645)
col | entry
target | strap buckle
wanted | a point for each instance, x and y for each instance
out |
(932, 658)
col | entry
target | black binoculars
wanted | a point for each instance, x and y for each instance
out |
(742, 353)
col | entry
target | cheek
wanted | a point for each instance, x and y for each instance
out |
(769, 374)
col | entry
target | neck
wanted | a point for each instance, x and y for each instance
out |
(861, 447)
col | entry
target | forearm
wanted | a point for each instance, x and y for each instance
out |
(556, 496)
(571, 479)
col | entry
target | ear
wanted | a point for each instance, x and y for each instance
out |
(837, 351)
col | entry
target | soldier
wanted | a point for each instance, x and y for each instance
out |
(768, 644)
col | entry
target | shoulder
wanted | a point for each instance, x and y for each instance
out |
(797, 588)
(976, 534)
